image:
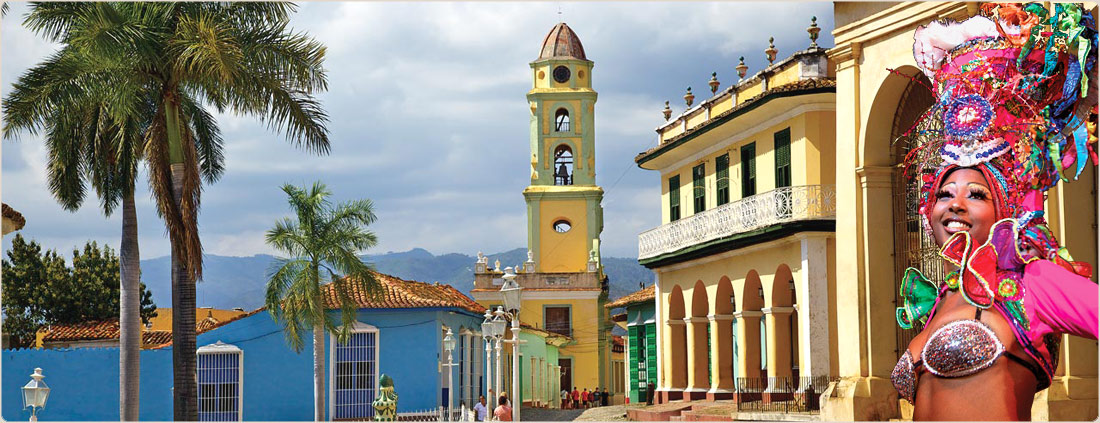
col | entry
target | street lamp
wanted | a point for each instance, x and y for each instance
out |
(448, 346)
(487, 335)
(35, 393)
(511, 292)
(498, 326)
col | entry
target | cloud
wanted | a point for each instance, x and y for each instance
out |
(428, 119)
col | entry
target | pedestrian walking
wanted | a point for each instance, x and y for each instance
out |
(503, 412)
(564, 399)
(576, 399)
(480, 410)
(604, 398)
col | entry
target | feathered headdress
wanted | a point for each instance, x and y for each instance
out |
(1014, 89)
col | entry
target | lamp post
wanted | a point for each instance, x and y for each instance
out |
(498, 333)
(448, 346)
(511, 292)
(35, 393)
(487, 335)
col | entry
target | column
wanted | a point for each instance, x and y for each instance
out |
(721, 342)
(777, 320)
(748, 347)
(813, 310)
(675, 351)
(698, 381)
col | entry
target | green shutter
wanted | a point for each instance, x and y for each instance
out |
(783, 158)
(748, 170)
(699, 189)
(674, 198)
(632, 369)
(722, 177)
(651, 352)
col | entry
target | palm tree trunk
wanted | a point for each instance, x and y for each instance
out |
(185, 391)
(318, 373)
(129, 312)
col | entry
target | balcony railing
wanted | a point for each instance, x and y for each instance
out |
(781, 205)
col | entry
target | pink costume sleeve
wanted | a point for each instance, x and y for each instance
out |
(1063, 300)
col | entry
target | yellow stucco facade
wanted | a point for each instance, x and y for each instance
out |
(743, 257)
(870, 39)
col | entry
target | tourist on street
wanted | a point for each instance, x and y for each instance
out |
(596, 397)
(503, 412)
(564, 399)
(603, 398)
(586, 397)
(480, 409)
(576, 399)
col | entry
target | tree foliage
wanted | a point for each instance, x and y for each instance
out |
(40, 289)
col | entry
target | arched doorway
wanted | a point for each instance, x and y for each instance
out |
(724, 340)
(749, 327)
(912, 246)
(698, 334)
(676, 348)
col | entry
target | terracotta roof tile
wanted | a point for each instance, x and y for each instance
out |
(644, 295)
(14, 216)
(156, 337)
(400, 293)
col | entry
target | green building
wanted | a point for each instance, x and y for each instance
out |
(639, 320)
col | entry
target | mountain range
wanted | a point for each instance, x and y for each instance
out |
(231, 282)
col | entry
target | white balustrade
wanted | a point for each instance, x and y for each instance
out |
(781, 205)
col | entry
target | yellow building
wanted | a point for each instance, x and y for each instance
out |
(744, 255)
(564, 287)
(874, 107)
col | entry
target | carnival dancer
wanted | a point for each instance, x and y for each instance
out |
(1014, 89)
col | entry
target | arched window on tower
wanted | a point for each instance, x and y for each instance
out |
(563, 165)
(561, 121)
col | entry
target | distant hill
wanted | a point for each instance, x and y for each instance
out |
(240, 281)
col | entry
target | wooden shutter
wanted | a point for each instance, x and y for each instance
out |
(783, 158)
(633, 360)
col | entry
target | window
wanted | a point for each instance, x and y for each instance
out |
(220, 389)
(562, 226)
(561, 121)
(699, 189)
(722, 177)
(556, 319)
(674, 198)
(355, 374)
(563, 163)
(748, 170)
(783, 158)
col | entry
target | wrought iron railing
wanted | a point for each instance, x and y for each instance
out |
(780, 205)
(781, 393)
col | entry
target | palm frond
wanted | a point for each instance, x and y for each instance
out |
(208, 138)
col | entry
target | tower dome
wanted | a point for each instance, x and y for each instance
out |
(562, 42)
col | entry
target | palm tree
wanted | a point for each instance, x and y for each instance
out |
(86, 143)
(323, 244)
(235, 56)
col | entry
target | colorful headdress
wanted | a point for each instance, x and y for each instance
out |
(1014, 89)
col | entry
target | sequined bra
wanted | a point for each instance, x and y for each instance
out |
(959, 348)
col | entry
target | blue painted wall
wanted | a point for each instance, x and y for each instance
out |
(278, 383)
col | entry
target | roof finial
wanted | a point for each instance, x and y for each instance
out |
(689, 97)
(667, 111)
(813, 30)
(559, 14)
(771, 51)
(714, 82)
(742, 68)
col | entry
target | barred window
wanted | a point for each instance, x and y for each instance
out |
(219, 376)
(355, 374)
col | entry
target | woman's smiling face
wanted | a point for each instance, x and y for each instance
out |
(963, 203)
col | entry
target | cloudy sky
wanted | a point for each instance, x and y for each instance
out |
(429, 120)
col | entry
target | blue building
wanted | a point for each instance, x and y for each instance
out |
(247, 371)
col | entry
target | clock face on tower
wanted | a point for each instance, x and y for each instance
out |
(561, 74)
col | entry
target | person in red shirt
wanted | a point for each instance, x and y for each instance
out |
(576, 398)
(586, 397)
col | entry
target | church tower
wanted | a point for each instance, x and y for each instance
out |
(564, 288)
(564, 215)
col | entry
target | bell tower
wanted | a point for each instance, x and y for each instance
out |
(564, 215)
